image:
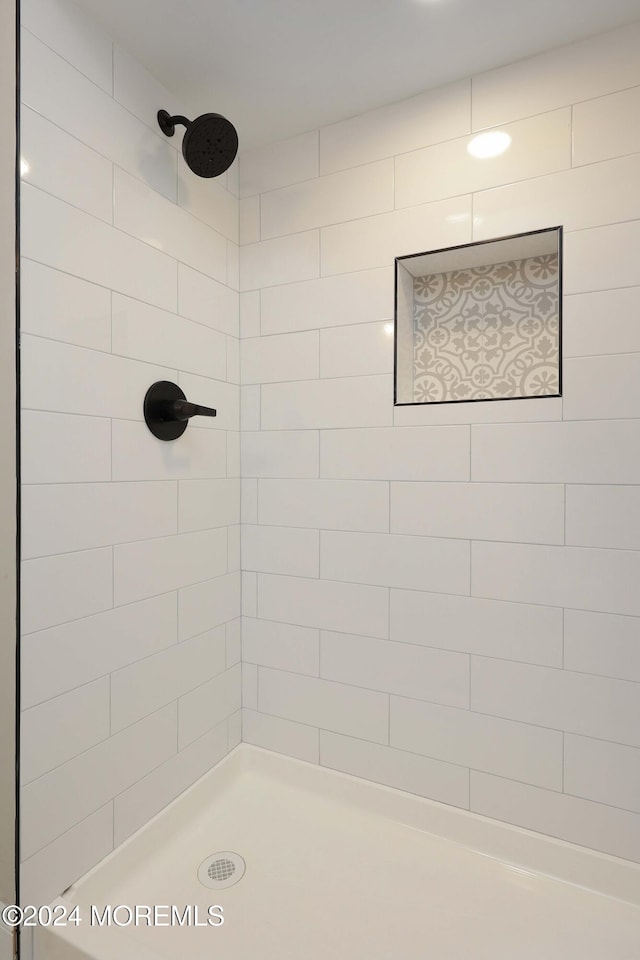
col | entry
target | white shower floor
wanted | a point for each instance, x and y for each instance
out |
(340, 868)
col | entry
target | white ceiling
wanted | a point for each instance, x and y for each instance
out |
(280, 67)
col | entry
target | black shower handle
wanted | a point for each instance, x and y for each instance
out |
(167, 410)
(183, 410)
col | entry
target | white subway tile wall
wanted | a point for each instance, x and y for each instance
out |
(442, 599)
(469, 629)
(131, 599)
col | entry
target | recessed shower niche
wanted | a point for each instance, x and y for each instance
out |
(481, 321)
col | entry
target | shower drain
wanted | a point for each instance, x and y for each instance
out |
(221, 870)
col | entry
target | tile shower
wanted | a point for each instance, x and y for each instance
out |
(441, 598)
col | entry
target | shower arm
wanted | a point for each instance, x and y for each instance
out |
(168, 123)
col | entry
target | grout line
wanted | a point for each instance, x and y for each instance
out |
(394, 162)
(384, 267)
(103, 742)
(72, 136)
(439, 705)
(389, 616)
(375, 480)
(348, 534)
(128, 296)
(129, 663)
(416, 537)
(125, 543)
(350, 323)
(135, 359)
(146, 243)
(109, 479)
(409, 644)
(588, 293)
(130, 603)
(358, 376)
(601, 356)
(551, 421)
(110, 323)
(113, 199)
(199, 686)
(457, 651)
(572, 163)
(389, 720)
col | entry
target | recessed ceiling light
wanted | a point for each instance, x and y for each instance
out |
(490, 144)
(388, 328)
(24, 167)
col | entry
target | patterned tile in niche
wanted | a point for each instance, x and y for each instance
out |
(487, 332)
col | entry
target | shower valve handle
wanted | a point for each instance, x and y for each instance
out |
(183, 410)
(167, 411)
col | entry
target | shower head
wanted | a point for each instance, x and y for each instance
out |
(210, 142)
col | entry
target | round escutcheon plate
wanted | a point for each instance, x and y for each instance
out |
(157, 410)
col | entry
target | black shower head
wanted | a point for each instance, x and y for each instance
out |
(210, 143)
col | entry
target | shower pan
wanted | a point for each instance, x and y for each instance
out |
(324, 863)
